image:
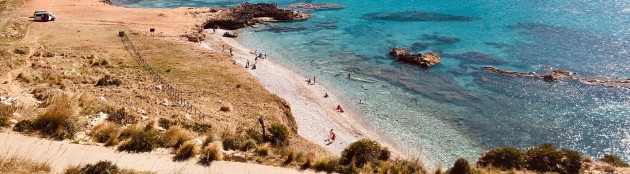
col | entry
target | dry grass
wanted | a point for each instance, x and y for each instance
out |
(174, 137)
(59, 119)
(14, 165)
(106, 133)
(210, 154)
(186, 151)
(263, 149)
(138, 139)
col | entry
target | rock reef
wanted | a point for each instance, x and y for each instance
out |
(557, 75)
(417, 16)
(316, 6)
(426, 60)
(248, 14)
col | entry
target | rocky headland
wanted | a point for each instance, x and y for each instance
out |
(248, 14)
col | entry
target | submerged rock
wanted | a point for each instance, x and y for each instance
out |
(417, 16)
(478, 58)
(316, 6)
(420, 46)
(426, 60)
(440, 39)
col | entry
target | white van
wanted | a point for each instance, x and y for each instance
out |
(43, 16)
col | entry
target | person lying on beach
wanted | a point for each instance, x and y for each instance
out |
(326, 95)
(254, 66)
(309, 81)
(339, 109)
(331, 137)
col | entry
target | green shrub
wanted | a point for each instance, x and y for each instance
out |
(59, 119)
(4, 121)
(505, 158)
(255, 135)
(121, 117)
(23, 126)
(186, 151)
(210, 154)
(327, 165)
(231, 142)
(461, 166)
(248, 145)
(362, 152)
(402, 166)
(614, 160)
(101, 167)
(139, 140)
(278, 134)
(547, 158)
(174, 137)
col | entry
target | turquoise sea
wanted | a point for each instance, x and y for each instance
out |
(457, 109)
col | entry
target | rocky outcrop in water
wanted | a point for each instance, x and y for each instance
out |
(426, 60)
(557, 75)
(248, 14)
(417, 16)
(316, 6)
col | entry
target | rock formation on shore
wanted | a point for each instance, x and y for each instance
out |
(426, 60)
(248, 14)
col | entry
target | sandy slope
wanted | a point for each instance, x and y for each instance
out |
(60, 154)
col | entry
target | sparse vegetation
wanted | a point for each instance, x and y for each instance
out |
(362, 152)
(106, 133)
(139, 140)
(23, 126)
(279, 136)
(262, 150)
(186, 151)
(4, 121)
(14, 165)
(614, 160)
(121, 117)
(505, 158)
(210, 154)
(174, 137)
(461, 166)
(290, 158)
(59, 119)
(101, 167)
(108, 80)
(231, 142)
(547, 158)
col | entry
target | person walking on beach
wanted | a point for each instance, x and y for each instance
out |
(331, 137)
(313, 80)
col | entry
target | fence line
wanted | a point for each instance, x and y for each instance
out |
(172, 92)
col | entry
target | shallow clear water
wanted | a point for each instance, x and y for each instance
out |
(457, 109)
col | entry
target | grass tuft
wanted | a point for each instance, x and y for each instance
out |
(59, 119)
(262, 150)
(186, 151)
(106, 133)
(139, 140)
(210, 154)
(16, 165)
(121, 117)
(174, 137)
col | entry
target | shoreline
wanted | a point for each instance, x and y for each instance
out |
(292, 86)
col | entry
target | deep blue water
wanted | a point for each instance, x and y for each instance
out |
(457, 109)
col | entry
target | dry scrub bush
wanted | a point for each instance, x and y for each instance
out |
(262, 150)
(614, 160)
(23, 126)
(231, 142)
(106, 133)
(401, 166)
(138, 139)
(290, 158)
(186, 151)
(6, 111)
(101, 167)
(59, 119)
(24, 78)
(174, 137)
(14, 165)
(121, 117)
(505, 158)
(279, 135)
(461, 166)
(108, 80)
(362, 152)
(210, 154)
(92, 106)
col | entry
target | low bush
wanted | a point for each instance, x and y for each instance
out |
(614, 160)
(327, 165)
(17, 165)
(186, 151)
(101, 167)
(248, 145)
(547, 158)
(23, 126)
(279, 135)
(290, 158)
(402, 166)
(362, 152)
(505, 158)
(210, 154)
(139, 140)
(106, 133)
(254, 135)
(307, 164)
(224, 109)
(59, 119)
(4, 121)
(262, 150)
(108, 80)
(174, 137)
(194, 126)
(461, 166)
(121, 117)
(231, 142)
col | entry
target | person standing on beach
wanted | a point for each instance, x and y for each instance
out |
(247, 64)
(223, 48)
(313, 80)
